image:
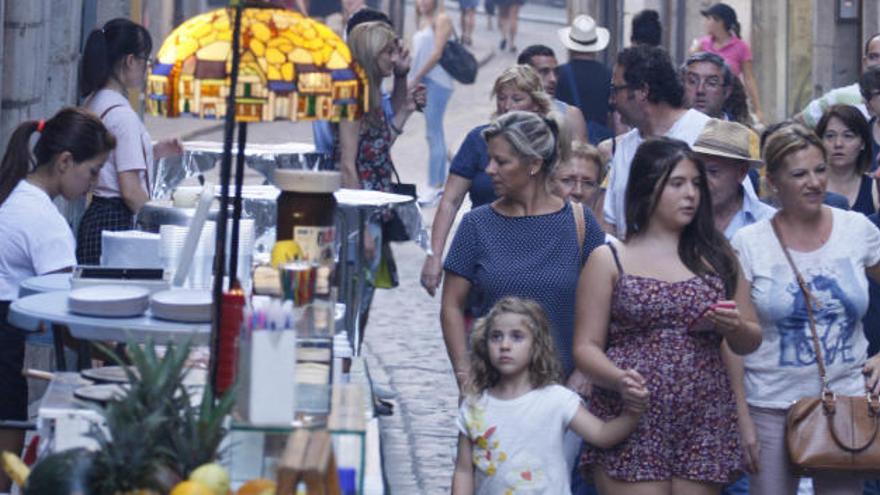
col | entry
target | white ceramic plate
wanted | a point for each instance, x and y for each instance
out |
(109, 300)
(183, 297)
(106, 374)
(185, 305)
(100, 393)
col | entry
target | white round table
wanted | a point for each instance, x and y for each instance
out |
(29, 312)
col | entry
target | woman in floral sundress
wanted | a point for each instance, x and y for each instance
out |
(636, 308)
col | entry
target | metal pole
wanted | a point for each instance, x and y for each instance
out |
(236, 205)
(223, 214)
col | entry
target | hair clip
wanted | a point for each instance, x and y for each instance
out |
(41, 125)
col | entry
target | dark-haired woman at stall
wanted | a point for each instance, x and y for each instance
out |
(36, 240)
(636, 302)
(115, 61)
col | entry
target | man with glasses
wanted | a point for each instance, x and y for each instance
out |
(648, 94)
(846, 95)
(707, 84)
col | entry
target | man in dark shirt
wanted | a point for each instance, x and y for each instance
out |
(584, 81)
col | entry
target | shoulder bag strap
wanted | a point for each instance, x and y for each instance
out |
(808, 299)
(580, 227)
(111, 107)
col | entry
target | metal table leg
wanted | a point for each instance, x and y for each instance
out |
(361, 281)
(58, 345)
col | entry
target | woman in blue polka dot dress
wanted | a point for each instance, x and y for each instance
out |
(524, 244)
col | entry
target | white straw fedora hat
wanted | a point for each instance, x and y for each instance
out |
(584, 35)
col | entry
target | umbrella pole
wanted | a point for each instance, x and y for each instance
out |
(223, 214)
(236, 205)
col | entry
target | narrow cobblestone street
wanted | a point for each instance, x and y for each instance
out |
(403, 342)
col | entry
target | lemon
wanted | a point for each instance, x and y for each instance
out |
(213, 476)
(285, 251)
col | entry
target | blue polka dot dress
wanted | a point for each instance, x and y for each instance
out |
(534, 257)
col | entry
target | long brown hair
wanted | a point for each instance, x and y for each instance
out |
(71, 129)
(544, 367)
(701, 248)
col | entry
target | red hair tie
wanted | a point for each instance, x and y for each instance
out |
(41, 125)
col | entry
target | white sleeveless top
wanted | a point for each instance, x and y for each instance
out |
(422, 47)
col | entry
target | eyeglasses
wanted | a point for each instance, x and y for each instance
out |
(151, 62)
(710, 82)
(615, 88)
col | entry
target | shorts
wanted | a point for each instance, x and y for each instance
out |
(468, 4)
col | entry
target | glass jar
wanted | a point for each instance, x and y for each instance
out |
(307, 211)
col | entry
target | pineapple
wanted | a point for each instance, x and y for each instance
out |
(154, 435)
(133, 455)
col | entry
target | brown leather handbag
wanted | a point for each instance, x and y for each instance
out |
(830, 432)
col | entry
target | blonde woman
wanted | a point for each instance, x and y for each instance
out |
(517, 88)
(364, 150)
(435, 28)
(524, 244)
(836, 252)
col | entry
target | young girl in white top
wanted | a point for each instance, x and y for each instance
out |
(515, 414)
(115, 60)
(36, 240)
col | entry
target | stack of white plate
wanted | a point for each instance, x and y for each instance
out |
(186, 305)
(109, 301)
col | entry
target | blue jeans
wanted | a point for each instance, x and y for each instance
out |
(438, 97)
(738, 487)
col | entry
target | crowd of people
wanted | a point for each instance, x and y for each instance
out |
(628, 304)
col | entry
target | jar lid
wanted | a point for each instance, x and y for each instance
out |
(307, 181)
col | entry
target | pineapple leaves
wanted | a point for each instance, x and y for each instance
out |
(156, 427)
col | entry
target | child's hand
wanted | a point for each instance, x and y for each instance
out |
(641, 397)
(632, 390)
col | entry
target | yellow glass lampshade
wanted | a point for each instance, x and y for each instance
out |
(291, 68)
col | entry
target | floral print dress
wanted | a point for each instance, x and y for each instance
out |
(690, 427)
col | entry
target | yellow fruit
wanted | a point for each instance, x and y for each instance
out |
(213, 476)
(285, 251)
(260, 486)
(191, 488)
(15, 468)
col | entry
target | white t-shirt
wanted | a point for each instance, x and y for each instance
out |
(134, 147)
(517, 444)
(35, 238)
(846, 95)
(784, 369)
(687, 128)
